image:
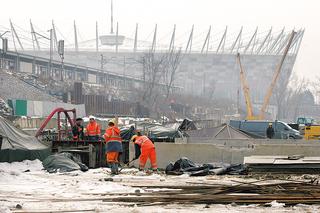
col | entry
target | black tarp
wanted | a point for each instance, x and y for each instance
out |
(18, 145)
(63, 162)
(184, 165)
(186, 125)
(126, 135)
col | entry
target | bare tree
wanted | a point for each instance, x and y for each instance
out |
(152, 65)
(173, 60)
(291, 97)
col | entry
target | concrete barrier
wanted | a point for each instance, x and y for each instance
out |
(231, 151)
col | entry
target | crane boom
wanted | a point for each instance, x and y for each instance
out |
(275, 78)
(246, 91)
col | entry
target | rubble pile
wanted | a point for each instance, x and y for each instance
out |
(13, 88)
(4, 108)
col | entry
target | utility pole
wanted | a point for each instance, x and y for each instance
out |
(124, 65)
(56, 42)
(61, 54)
(101, 62)
(117, 34)
(97, 38)
(4, 47)
(51, 50)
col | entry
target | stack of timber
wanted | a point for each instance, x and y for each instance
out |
(243, 193)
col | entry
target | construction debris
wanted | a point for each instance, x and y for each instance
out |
(184, 165)
(288, 193)
(4, 108)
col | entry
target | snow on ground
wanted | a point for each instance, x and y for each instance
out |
(27, 185)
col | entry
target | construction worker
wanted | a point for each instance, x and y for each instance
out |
(113, 146)
(78, 130)
(147, 149)
(270, 131)
(93, 129)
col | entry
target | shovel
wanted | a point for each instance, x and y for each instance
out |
(127, 164)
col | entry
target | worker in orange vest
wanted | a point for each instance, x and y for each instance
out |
(113, 146)
(148, 151)
(93, 129)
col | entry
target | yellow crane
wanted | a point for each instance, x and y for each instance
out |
(246, 91)
(275, 78)
(245, 86)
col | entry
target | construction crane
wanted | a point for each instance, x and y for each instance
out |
(275, 78)
(246, 90)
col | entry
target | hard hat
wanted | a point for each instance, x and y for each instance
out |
(134, 137)
(270, 124)
(91, 117)
(113, 120)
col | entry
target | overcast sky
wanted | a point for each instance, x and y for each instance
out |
(184, 13)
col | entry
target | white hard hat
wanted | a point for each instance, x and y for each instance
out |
(92, 117)
(113, 120)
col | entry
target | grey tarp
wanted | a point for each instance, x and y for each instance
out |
(158, 133)
(63, 162)
(18, 146)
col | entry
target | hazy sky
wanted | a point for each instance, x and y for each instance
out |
(184, 13)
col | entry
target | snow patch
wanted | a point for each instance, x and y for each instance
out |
(16, 168)
(4, 209)
(275, 204)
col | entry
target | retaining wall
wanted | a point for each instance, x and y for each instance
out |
(231, 151)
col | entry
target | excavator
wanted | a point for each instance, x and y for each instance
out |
(246, 90)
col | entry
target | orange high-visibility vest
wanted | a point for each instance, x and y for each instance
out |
(144, 142)
(93, 129)
(112, 134)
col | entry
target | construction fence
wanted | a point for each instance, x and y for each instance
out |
(41, 108)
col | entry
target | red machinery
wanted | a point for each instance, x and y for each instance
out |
(91, 151)
(59, 111)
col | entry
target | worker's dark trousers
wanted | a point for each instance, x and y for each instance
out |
(114, 168)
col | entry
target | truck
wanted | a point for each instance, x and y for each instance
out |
(258, 128)
(309, 128)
